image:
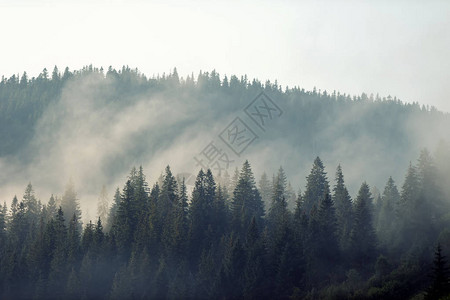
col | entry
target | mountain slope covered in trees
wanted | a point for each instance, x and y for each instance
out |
(222, 241)
(233, 234)
(91, 125)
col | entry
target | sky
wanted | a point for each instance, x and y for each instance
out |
(397, 48)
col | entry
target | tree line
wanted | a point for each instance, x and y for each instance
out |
(232, 238)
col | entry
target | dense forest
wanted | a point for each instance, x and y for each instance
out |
(228, 235)
(109, 120)
(233, 238)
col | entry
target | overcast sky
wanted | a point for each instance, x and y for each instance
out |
(400, 49)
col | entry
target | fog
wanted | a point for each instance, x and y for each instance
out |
(93, 140)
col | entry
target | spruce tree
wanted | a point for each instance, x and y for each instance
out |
(316, 186)
(363, 240)
(70, 204)
(246, 202)
(408, 214)
(200, 215)
(343, 207)
(31, 205)
(440, 286)
(387, 220)
(113, 210)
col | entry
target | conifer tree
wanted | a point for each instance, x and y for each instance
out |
(316, 186)
(113, 210)
(200, 215)
(387, 220)
(440, 286)
(343, 207)
(31, 205)
(52, 208)
(70, 203)
(408, 215)
(246, 202)
(362, 238)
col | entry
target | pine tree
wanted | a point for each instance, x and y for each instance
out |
(73, 242)
(166, 208)
(279, 218)
(87, 239)
(220, 214)
(431, 200)
(408, 214)
(31, 205)
(387, 220)
(316, 186)
(58, 265)
(440, 286)
(362, 238)
(113, 210)
(126, 222)
(328, 250)
(141, 191)
(52, 208)
(246, 202)
(343, 206)
(255, 271)
(70, 204)
(14, 207)
(200, 215)
(232, 270)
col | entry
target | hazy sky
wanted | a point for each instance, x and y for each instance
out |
(400, 49)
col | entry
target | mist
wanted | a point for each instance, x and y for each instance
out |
(96, 131)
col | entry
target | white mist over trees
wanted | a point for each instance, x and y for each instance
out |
(92, 124)
(160, 242)
(221, 236)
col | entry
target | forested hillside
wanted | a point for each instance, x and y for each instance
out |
(223, 242)
(91, 125)
(257, 231)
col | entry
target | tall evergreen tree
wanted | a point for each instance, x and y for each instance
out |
(246, 202)
(440, 286)
(31, 205)
(125, 223)
(362, 238)
(113, 210)
(387, 220)
(200, 215)
(70, 203)
(278, 218)
(316, 186)
(343, 206)
(408, 214)
(52, 208)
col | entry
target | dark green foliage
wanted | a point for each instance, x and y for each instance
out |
(344, 211)
(161, 245)
(201, 222)
(387, 220)
(316, 186)
(440, 286)
(363, 240)
(246, 202)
